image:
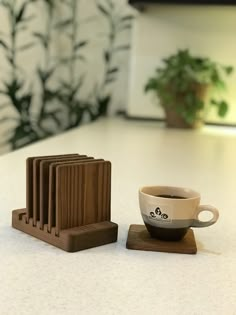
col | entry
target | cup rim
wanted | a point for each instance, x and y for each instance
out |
(187, 190)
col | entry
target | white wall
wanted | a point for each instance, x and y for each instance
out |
(162, 29)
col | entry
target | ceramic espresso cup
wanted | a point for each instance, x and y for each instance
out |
(168, 212)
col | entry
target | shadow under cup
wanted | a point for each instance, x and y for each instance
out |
(169, 212)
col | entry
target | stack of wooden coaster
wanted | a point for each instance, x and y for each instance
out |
(68, 201)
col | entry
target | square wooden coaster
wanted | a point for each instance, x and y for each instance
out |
(32, 183)
(83, 194)
(140, 239)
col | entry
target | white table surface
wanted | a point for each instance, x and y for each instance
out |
(37, 278)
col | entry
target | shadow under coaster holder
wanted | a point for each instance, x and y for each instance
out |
(68, 199)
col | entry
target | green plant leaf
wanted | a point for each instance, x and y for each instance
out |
(65, 85)
(220, 85)
(103, 104)
(111, 4)
(122, 47)
(23, 135)
(4, 44)
(14, 86)
(26, 46)
(109, 80)
(42, 38)
(9, 7)
(229, 70)
(20, 14)
(151, 85)
(63, 24)
(6, 4)
(124, 27)
(28, 18)
(107, 56)
(26, 101)
(53, 116)
(222, 109)
(50, 3)
(103, 10)
(45, 75)
(127, 18)
(199, 104)
(80, 44)
(12, 89)
(113, 70)
(11, 61)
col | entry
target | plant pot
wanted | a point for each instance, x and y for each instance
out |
(175, 120)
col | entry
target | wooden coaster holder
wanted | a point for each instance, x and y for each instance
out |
(68, 201)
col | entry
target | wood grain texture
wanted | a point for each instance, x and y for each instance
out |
(70, 240)
(44, 183)
(68, 202)
(30, 182)
(82, 194)
(36, 182)
(52, 188)
(140, 239)
(29, 188)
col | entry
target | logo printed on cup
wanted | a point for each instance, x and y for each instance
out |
(160, 215)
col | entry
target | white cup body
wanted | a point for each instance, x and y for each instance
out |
(167, 212)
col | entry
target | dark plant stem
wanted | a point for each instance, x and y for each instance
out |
(110, 49)
(13, 42)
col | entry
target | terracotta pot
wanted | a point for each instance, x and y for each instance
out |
(175, 120)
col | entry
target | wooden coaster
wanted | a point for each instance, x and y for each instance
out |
(83, 194)
(44, 183)
(32, 183)
(140, 239)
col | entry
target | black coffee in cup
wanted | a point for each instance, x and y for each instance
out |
(171, 196)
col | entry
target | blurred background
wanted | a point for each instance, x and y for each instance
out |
(65, 63)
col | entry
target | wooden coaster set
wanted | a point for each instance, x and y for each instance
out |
(68, 200)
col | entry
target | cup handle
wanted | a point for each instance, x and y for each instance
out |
(201, 208)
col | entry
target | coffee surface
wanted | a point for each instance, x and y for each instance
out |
(170, 196)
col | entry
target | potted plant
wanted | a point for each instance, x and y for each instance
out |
(182, 85)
